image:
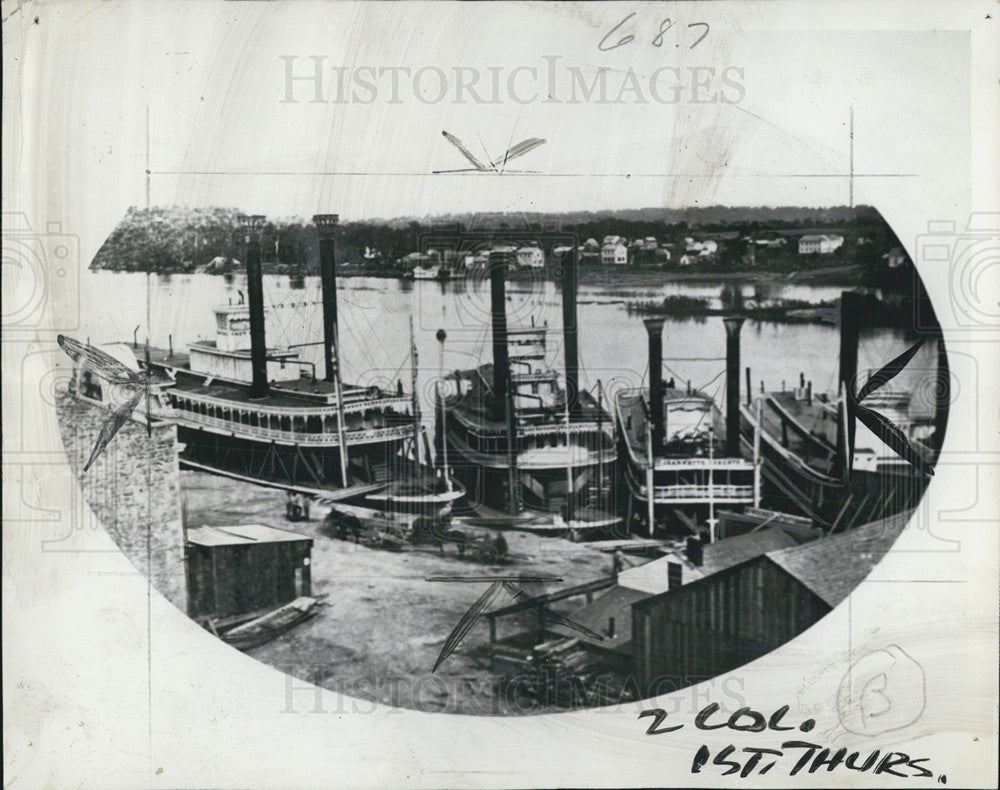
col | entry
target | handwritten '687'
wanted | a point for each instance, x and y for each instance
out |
(607, 45)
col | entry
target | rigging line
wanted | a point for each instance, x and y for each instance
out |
(357, 346)
(715, 395)
(285, 326)
(672, 372)
(276, 314)
(346, 322)
(713, 379)
(385, 351)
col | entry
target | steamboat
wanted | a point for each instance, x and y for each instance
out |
(814, 460)
(263, 415)
(526, 448)
(680, 458)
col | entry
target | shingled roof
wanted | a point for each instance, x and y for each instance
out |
(833, 566)
(652, 577)
(732, 551)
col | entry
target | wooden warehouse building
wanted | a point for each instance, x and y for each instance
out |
(738, 614)
(246, 568)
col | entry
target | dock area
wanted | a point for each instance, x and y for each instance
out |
(383, 625)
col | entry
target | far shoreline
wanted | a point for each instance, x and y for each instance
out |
(849, 275)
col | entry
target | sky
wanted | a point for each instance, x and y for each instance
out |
(761, 115)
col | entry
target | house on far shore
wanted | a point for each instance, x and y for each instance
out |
(614, 252)
(530, 257)
(704, 248)
(822, 244)
(590, 252)
(476, 260)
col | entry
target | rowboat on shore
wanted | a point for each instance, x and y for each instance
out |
(262, 629)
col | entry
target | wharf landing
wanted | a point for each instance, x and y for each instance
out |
(383, 625)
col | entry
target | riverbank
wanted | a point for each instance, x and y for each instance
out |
(383, 624)
(786, 311)
(847, 276)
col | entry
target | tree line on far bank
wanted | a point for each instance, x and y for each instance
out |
(172, 239)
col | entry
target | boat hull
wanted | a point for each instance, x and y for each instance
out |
(790, 484)
(539, 489)
(292, 465)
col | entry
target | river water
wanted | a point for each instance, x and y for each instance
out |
(374, 319)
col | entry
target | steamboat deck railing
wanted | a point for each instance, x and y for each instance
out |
(350, 406)
(354, 437)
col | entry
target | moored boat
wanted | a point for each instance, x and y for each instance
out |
(529, 449)
(816, 462)
(261, 630)
(264, 415)
(679, 458)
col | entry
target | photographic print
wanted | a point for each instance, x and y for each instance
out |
(499, 395)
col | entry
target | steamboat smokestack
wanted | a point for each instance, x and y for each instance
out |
(326, 224)
(852, 310)
(501, 358)
(569, 286)
(654, 326)
(733, 326)
(255, 299)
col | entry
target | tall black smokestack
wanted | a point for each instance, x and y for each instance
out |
(569, 285)
(498, 309)
(255, 299)
(654, 326)
(853, 306)
(733, 326)
(326, 224)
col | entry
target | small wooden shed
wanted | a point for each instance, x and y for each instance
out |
(245, 568)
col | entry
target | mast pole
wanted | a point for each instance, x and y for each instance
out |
(711, 484)
(511, 454)
(416, 399)
(341, 428)
(441, 337)
(650, 511)
(600, 445)
(757, 461)
(570, 509)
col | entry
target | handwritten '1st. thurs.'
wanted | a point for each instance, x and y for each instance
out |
(758, 761)
(608, 43)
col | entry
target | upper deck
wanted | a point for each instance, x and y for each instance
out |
(303, 395)
(691, 421)
(534, 413)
